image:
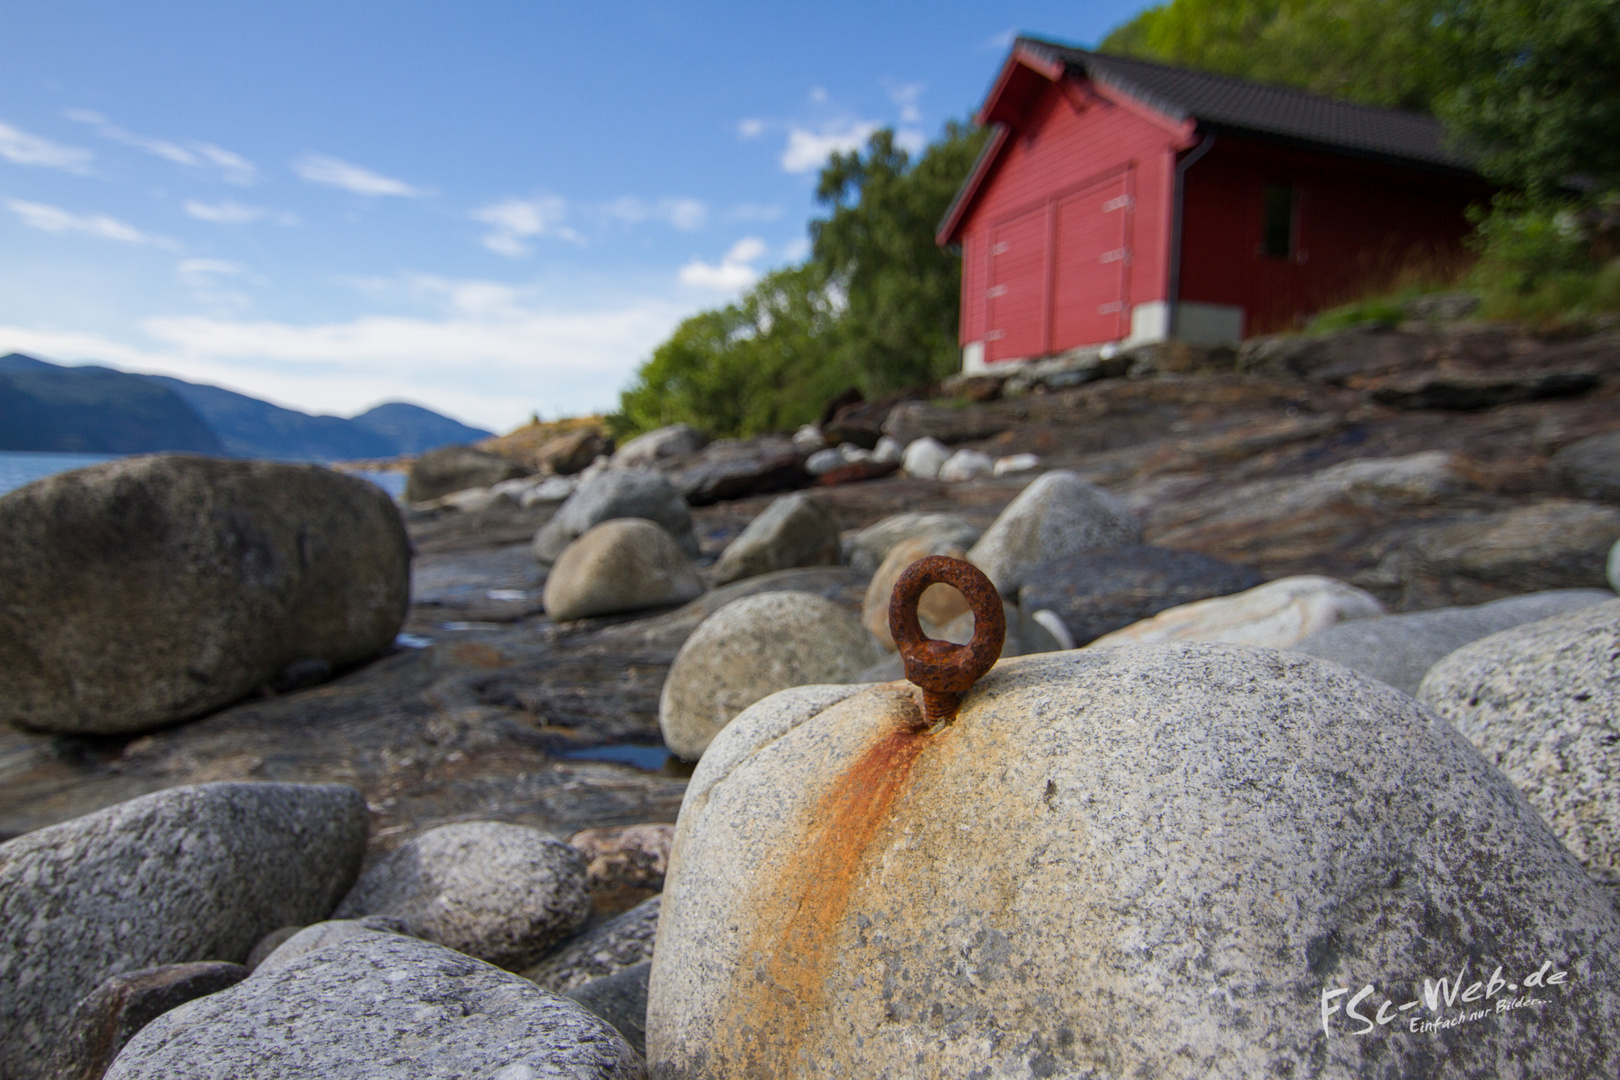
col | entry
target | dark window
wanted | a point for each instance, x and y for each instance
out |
(1278, 239)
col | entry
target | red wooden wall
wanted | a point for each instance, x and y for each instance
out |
(1071, 229)
(1356, 223)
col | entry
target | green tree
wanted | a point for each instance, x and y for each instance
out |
(1379, 52)
(902, 291)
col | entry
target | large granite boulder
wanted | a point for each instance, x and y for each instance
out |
(1590, 467)
(626, 564)
(1400, 649)
(1542, 703)
(146, 591)
(795, 530)
(1279, 614)
(1097, 592)
(571, 453)
(1185, 860)
(1059, 514)
(457, 468)
(622, 942)
(319, 936)
(503, 893)
(753, 647)
(616, 493)
(188, 874)
(380, 1006)
(659, 446)
(867, 549)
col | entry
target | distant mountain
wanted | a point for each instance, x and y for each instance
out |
(43, 407)
(94, 410)
(415, 429)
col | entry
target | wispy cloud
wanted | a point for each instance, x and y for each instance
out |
(734, 271)
(332, 172)
(226, 212)
(488, 353)
(200, 272)
(808, 150)
(905, 96)
(750, 128)
(53, 219)
(231, 167)
(514, 222)
(20, 148)
(687, 215)
(818, 95)
(212, 282)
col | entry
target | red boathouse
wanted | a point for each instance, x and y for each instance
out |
(1122, 201)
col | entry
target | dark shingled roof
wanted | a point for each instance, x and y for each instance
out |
(1272, 111)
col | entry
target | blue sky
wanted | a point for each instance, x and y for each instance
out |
(487, 208)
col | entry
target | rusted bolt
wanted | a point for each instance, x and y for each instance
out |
(942, 668)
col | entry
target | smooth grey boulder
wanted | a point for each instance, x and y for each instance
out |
(616, 493)
(627, 564)
(110, 1015)
(189, 874)
(622, 942)
(1058, 514)
(1097, 592)
(621, 1000)
(650, 448)
(1182, 861)
(1400, 649)
(753, 647)
(380, 1006)
(322, 934)
(138, 593)
(503, 893)
(1590, 467)
(867, 549)
(1542, 703)
(795, 530)
(457, 468)
(1279, 615)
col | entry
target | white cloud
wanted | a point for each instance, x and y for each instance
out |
(54, 219)
(232, 167)
(911, 141)
(796, 249)
(750, 129)
(734, 272)
(687, 215)
(490, 355)
(818, 94)
(21, 148)
(212, 282)
(205, 271)
(905, 96)
(332, 172)
(808, 151)
(226, 212)
(515, 221)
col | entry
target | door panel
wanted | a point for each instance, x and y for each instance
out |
(1016, 297)
(1091, 264)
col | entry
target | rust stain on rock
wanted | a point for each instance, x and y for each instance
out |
(781, 999)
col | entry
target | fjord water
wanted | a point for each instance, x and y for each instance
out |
(19, 467)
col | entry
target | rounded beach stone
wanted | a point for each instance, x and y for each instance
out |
(503, 893)
(1590, 467)
(621, 1000)
(622, 942)
(924, 457)
(626, 564)
(141, 592)
(939, 603)
(111, 1014)
(189, 874)
(795, 530)
(1400, 649)
(1542, 703)
(1096, 592)
(659, 445)
(753, 647)
(1181, 860)
(1059, 514)
(375, 1006)
(457, 468)
(868, 548)
(967, 465)
(616, 493)
(1279, 614)
(322, 934)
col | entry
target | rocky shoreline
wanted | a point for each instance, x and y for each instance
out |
(1384, 482)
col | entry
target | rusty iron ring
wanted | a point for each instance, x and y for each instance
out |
(944, 669)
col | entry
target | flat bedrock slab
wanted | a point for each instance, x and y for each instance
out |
(378, 1006)
(141, 592)
(189, 874)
